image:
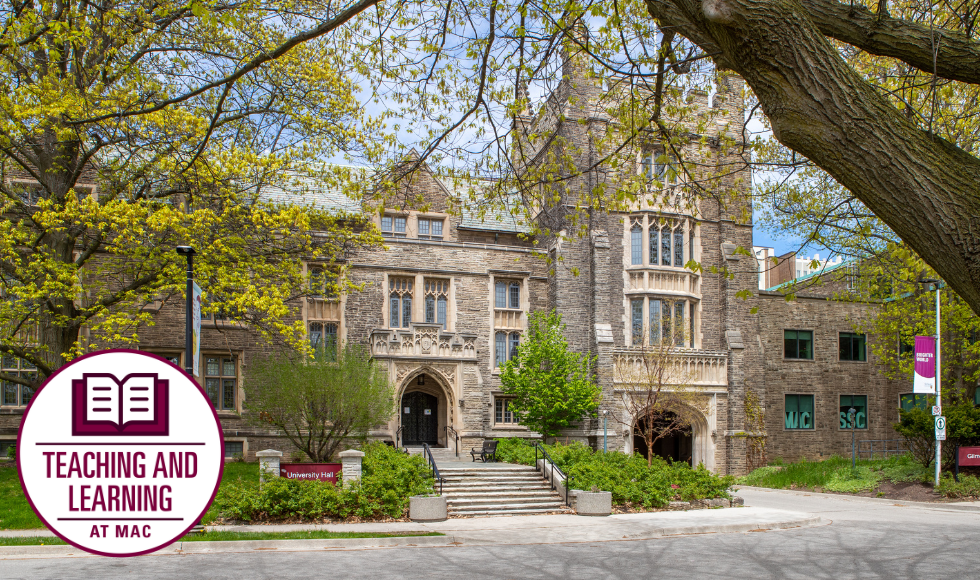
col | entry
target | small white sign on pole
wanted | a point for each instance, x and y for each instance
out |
(940, 428)
(936, 411)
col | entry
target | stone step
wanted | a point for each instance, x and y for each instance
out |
(488, 471)
(475, 481)
(545, 492)
(484, 486)
(511, 512)
(455, 503)
(504, 508)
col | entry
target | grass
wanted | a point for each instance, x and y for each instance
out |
(239, 537)
(835, 474)
(16, 513)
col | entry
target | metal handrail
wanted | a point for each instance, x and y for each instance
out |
(432, 464)
(899, 447)
(554, 467)
(456, 434)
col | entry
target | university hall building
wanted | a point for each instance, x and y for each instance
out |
(447, 301)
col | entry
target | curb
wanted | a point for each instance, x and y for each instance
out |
(882, 500)
(182, 548)
(451, 539)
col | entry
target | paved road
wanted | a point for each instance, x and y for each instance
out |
(864, 539)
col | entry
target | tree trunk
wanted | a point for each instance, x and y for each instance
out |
(922, 186)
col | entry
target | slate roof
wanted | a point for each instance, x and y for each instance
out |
(310, 191)
(494, 218)
(476, 215)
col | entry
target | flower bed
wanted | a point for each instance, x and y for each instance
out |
(629, 478)
(388, 479)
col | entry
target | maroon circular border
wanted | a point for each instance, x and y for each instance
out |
(214, 413)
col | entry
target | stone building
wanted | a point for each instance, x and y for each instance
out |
(448, 300)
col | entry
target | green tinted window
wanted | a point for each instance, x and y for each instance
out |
(799, 412)
(860, 405)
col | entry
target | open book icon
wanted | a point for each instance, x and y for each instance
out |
(104, 405)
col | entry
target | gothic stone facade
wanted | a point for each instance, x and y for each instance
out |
(450, 295)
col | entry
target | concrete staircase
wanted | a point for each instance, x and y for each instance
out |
(440, 454)
(497, 489)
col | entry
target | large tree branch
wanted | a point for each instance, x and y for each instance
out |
(294, 41)
(920, 185)
(955, 55)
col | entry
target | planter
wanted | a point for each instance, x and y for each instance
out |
(593, 503)
(427, 508)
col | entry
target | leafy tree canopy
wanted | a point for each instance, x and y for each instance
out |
(553, 386)
(320, 405)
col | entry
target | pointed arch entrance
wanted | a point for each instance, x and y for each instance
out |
(424, 409)
(420, 418)
(677, 446)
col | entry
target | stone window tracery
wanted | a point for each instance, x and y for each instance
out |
(436, 301)
(400, 298)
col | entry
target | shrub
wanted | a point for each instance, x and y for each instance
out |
(918, 428)
(967, 486)
(388, 479)
(628, 477)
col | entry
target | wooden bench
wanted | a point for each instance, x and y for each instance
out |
(487, 453)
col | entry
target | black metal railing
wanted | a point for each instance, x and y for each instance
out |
(885, 447)
(427, 453)
(454, 433)
(546, 473)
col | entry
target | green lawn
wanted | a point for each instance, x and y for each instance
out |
(835, 474)
(16, 513)
(240, 537)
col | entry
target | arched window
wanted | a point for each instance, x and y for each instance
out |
(316, 336)
(400, 308)
(330, 341)
(636, 245)
(500, 348)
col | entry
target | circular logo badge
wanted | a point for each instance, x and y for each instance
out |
(120, 453)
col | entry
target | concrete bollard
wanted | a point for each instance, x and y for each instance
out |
(269, 460)
(428, 508)
(351, 461)
(593, 503)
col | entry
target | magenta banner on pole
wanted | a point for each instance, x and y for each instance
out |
(924, 380)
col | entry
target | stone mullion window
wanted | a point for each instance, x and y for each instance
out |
(400, 302)
(509, 306)
(436, 301)
(654, 318)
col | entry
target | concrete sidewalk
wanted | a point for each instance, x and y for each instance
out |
(524, 530)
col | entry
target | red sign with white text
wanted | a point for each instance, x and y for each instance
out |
(969, 456)
(314, 471)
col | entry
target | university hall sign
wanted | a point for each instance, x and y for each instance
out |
(120, 453)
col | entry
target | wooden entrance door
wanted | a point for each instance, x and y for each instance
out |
(420, 418)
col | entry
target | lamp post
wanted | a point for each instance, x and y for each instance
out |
(851, 416)
(937, 285)
(188, 252)
(604, 413)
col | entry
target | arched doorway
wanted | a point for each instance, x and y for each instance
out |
(421, 412)
(677, 446)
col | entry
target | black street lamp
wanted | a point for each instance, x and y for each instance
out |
(188, 252)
